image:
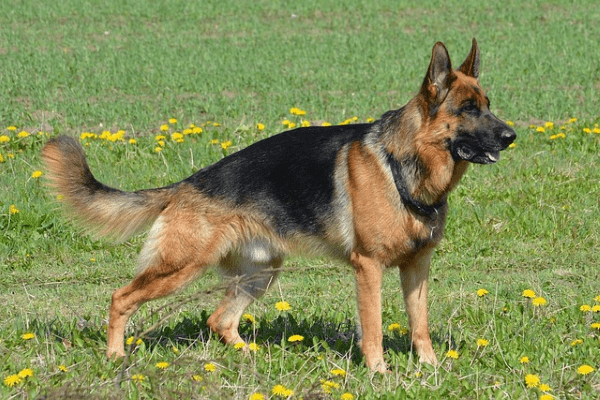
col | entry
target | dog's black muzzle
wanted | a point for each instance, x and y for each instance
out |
(483, 145)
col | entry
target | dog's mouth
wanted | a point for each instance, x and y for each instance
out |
(464, 151)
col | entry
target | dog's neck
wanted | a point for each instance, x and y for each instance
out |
(423, 169)
(430, 211)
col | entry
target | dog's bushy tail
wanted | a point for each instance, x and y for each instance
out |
(102, 210)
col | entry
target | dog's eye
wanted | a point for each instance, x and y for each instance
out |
(469, 106)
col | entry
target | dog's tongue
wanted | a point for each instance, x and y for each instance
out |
(493, 156)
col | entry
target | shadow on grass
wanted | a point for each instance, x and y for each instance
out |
(319, 333)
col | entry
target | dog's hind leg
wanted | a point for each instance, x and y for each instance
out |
(251, 269)
(154, 282)
(173, 255)
(414, 276)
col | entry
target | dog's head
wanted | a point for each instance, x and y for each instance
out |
(457, 99)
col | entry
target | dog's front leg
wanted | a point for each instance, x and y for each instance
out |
(368, 287)
(414, 276)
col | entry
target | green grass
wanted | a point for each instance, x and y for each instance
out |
(528, 222)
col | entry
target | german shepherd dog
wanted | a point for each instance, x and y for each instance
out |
(374, 195)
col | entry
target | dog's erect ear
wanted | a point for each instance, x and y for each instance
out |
(436, 83)
(471, 65)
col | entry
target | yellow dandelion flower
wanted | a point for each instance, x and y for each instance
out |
(25, 373)
(172, 120)
(159, 138)
(138, 378)
(587, 130)
(482, 342)
(281, 391)
(292, 125)
(210, 367)
(36, 174)
(226, 145)
(510, 123)
(130, 340)
(260, 126)
(532, 380)
(87, 135)
(326, 123)
(12, 380)
(249, 318)
(256, 396)
(305, 124)
(215, 141)
(597, 298)
(347, 396)
(596, 308)
(297, 111)
(596, 130)
(23, 134)
(283, 306)
(296, 338)
(452, 354)
(338, 372)
(482, 292)
(1, 158)
(63, 368)
(327, 386)
(197, 378)
(546, 396)
(585, 308)
(239, 345)
(4, 139)
(395, 327)
(539, 301)
(286, 122)
(177, 137)
(545, 388)
(253, 347)
(11, 128)
(216, 124)
(595, 325)
(13, 209)
(197, 130)
(118, 136)
(576, 342)
(370, 120)
(132, 141)
(28, 335)
(162, 365)
(158, 149)
(164, 128)
(585, 369)
(540, 129)
(573, 120)
(188, 131)
(549, 125)
(530, 294)
(524, 360)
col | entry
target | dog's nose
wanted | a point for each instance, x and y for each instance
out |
(508, 135)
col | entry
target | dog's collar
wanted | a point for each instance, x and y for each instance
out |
(425, 210)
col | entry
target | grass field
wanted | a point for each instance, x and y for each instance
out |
(117, 74)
